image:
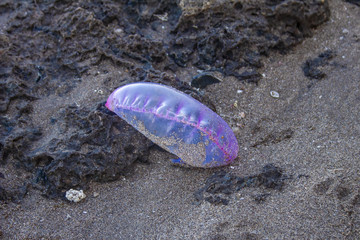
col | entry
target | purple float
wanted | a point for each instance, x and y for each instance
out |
(177, 123)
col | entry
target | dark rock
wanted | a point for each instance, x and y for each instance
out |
(16, 194)
(93, 145)
(311, 67)
(271, 177)
(356, 2)
(242, 35)
(204, 79)
(17, 143)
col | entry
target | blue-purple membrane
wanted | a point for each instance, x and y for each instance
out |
(177, 123)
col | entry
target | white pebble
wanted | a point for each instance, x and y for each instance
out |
(75, 195)
(274, 94)
(240, 91)
(235, 129)
(235, 104)
(118, 30)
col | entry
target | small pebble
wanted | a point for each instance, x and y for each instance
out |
(236, 104)
(96, 194)
(75, 195)
(118, 30)
(274, 94)
(235, 129)
(240, 91)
